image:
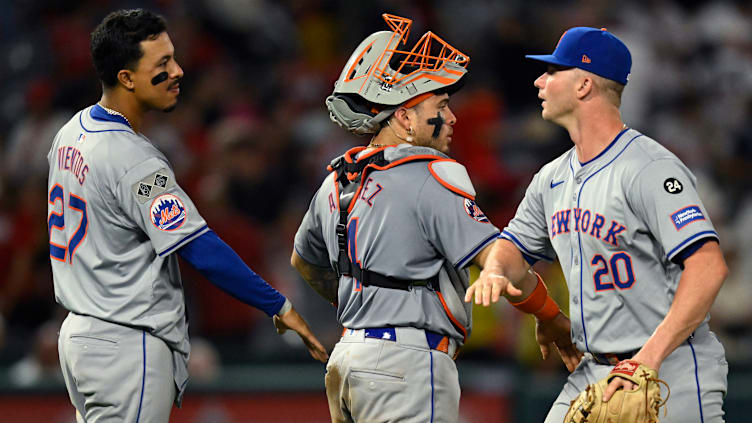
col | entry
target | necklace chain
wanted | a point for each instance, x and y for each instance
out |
(116, 113)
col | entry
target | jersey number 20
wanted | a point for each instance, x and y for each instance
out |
(57, 220)
(620, 269)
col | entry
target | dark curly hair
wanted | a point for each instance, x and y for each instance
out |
(115, 43)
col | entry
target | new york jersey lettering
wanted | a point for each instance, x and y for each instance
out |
(579, 220)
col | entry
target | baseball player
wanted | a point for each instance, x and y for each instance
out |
(389, 234)
(117, 222)
(639, 253)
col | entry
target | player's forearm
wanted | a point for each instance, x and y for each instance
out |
(323, 280)
(505, 259)
(703, 275)
(224, 268)
(527, 285)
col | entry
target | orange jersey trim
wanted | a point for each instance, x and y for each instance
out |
(452, 318)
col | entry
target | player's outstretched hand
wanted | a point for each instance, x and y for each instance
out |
(556, 331)
(293, 320)
(489, 288)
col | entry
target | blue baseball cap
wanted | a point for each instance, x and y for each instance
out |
(591, 49)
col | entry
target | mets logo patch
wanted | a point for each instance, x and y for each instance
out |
(685, 216)
(474, 211)
(168, 212)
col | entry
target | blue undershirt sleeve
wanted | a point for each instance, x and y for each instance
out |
(219, 263)
(689, 250)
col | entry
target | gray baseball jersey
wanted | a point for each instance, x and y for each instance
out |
(116, 214)
(616, 223)
(411, 220)
(405, 223)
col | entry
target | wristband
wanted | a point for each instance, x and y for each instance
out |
(539, 303)
(549, 310)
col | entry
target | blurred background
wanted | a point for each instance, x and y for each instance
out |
(251, 137)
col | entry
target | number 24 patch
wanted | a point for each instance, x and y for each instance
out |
(672, 186)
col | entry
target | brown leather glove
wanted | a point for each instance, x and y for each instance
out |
(640, 405)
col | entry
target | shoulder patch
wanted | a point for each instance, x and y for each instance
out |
(168, 212)
(453, 176)
(152, 185)
(474, 211)
(672, 186)
(685, 216)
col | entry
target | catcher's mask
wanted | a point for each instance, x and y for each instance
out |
(379, 77)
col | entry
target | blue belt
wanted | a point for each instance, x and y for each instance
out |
(436, 341)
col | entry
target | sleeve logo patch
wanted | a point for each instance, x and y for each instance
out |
(168, 212)
(672, 186)
(160, 180)
(144, 190)
(153, 185)
(685, 216)
(474, 211)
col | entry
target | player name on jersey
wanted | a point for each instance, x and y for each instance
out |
(585, 222)
(70, 159)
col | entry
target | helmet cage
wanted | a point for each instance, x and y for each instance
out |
(383, 76)
(422, 61)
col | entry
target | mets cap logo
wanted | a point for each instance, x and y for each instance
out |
(168, 212)
(474, 211)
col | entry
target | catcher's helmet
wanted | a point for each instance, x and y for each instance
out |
(379, 77)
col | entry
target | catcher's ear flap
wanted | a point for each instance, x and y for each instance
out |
(355, 114)
(356, 103)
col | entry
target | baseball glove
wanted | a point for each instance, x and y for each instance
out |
(637, 406)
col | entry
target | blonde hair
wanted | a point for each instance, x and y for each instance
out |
(610, 89)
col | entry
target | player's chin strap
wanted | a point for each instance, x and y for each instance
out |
(349, 178)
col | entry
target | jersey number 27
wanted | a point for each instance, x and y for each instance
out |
(57, 220)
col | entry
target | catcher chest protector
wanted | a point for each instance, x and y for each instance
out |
(350, 175)
(449, 284)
